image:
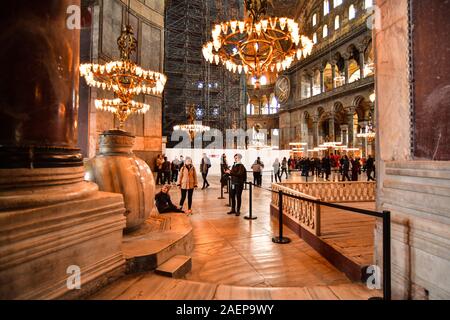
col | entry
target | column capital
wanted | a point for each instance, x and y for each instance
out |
(346, 56)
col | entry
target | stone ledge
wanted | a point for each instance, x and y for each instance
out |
(158, 240)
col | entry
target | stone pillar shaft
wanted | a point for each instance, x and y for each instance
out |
(39, 87)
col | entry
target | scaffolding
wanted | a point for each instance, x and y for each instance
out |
(218, 96)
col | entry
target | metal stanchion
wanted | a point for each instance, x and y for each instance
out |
(387, 255)
(280, 239)
(229, 193)
(221, 191)
(250, 203)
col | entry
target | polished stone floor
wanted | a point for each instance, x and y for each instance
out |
(234, 258)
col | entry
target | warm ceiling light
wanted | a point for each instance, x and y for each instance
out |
(257, 45)
(126, 79)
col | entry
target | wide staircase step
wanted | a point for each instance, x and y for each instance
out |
(154, 287)
(176, 267)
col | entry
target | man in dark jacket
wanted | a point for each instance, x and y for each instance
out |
(204, 169)
(370, 167)
(345, 168)
(326, 167)
(238, 174)
(164, 203)
(166, 168)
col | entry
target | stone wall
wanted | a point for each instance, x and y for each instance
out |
(416, 192)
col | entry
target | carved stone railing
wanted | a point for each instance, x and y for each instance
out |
(357, 191)
(305, 213)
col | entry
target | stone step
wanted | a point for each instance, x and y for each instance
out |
(176, 267)
(158, 240)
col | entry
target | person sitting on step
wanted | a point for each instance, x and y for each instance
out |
(164, 203)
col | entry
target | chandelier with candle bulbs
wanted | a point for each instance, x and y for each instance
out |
(257, 45)
(126, 79)
(193, 127)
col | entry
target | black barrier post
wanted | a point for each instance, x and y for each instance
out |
(272, 175)
(387, 255)
(250, 203)
(221, 190)
(280, 239)
(229, 192)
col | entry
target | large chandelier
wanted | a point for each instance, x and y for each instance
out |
(257, 45)
(193, 127)
(126, 79)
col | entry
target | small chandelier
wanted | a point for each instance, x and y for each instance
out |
(257, 45)
(126, 79)
(192, 127)
(368, 133)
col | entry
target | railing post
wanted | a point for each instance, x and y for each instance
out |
(272, 176)
(280, 239)
(229, 192)
(387, 255)
(221, 190)
(250, 203)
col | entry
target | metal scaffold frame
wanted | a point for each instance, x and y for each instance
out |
(219, 96)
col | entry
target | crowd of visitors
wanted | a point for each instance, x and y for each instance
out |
(182, 173)
(349, 168)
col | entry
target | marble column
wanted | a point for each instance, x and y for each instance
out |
(331, 132)
(333, 75)
(316, 132)
(322, 81)
(361, 62)
(344, 134)
(346, 58)
(51, 220)
(350, 130)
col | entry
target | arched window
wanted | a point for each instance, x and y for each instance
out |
(368, 4)
(314, 19)
(351, 12)
(326, 7)
(315, 37)
(337, 3)
(337, 23)
(325, 31)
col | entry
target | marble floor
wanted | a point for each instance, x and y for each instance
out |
(238, 257)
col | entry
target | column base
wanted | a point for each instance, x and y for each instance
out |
(51, 221)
